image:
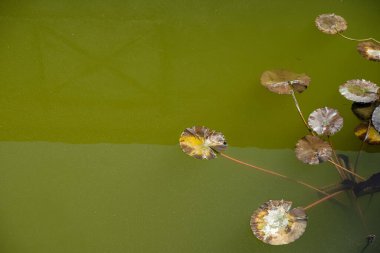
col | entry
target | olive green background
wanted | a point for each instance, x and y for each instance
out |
(93, 98)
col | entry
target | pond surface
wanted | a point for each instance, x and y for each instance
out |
(94, 96)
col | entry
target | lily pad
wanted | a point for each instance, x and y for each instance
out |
(359, 91)
(369, 50)
(376, 118)
(284, 82)
(325, 121)
(363, 110)
(275, 223)
(330, 23)
(373, 137)
(313, 150)
(202, 142)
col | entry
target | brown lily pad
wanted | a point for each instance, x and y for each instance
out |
(330, 23)
(369, 50)
(284, 82)
(363, 110)
(373, 136)
(313, 150)
(359, 90)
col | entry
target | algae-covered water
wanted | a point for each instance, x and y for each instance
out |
(94, 96)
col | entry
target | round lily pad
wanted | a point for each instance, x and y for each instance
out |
(359, 91)
(369, 50)
(313, 150)
(202, 143)
(284, 82)
(325, 121)
(376, 118)
(275, 223)
(363, 110)
(330, 23)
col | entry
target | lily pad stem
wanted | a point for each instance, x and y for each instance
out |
(300, 112)
(322, 200)
(274, 173)
(346, 170)
(344, 36)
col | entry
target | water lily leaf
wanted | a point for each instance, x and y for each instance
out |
(369, 50)
(276, 224)
(376, 118)
(313, 150)
(359, 91)
(373, 137)
(325, 121)
(202, 143)
(363, 110)
(284, 82)
(330, 23)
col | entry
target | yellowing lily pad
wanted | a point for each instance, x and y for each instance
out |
(284, 82)
(313, 150)
(276, 224)
(369, 50)
(325, 121)
(359, 91)
(373, 136)
(330, 23)
(202, 142)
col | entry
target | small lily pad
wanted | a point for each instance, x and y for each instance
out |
(284, 82)
(363, 110)
(276, 224)
(202, 142)
(376, 118)
(359, 91)
(369, 50)
(330, 23)
(373, 136)
(313, 150)
(325, 121)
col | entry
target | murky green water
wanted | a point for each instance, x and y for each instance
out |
(94, 95)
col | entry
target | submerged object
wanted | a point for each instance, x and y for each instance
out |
(367, 133)
(369, 50)
(330, 23)
(284, 82)
(370, 186)
(313, 150)
(359, 91)
(202, 143)
(276, 224)
(325, 121)
(363, 110)
(376, 118)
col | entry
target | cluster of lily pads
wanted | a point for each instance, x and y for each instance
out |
(275, 222)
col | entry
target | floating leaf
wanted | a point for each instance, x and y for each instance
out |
(376, 118)
(284, 82)
(330, 23)
(313, 150)
(373, 136)
(359, 91)
(202, 143)
(276, 224)
(325, 121)
(363, 110)
(369, 50)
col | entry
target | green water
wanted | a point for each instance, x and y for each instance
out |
(94, 95)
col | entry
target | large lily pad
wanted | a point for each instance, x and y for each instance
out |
(325, 121)
(284, 82)
(313, 150)
(369, 50)
(276, 224)
(330, 23)
(376, 118)
(202, 142)
(373, 136)
(359, 91)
